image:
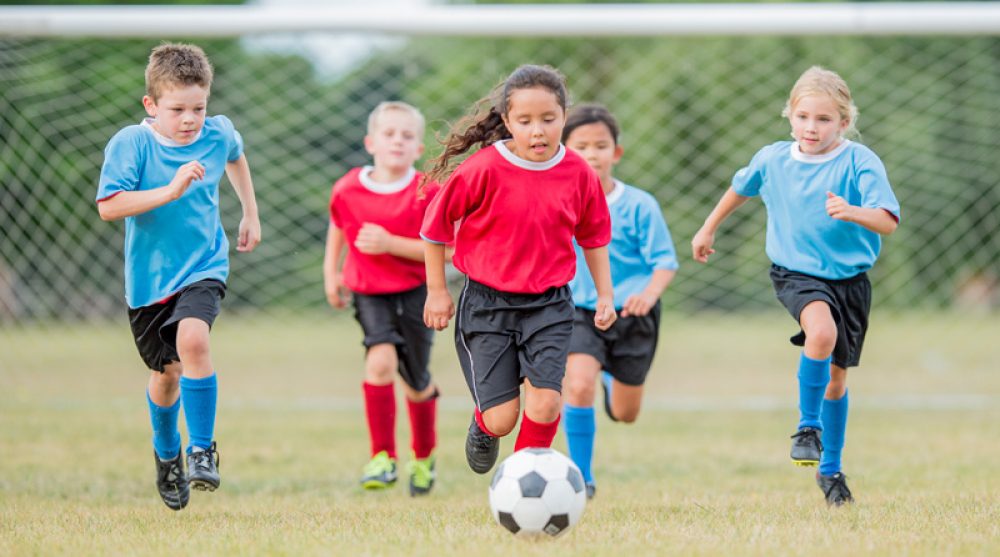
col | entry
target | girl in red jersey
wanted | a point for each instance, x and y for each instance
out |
(375, 213)
(521, 200)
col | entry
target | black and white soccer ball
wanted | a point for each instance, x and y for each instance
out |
(537, 491)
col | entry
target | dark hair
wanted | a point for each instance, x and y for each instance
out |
(484, 125)
(591, 113)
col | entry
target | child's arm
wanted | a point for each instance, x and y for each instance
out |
(701, 244)
(132, 203)
(374, 240)
(333, 282)
(600, 271)
(877, 220)
(641, 303)
(238, 172)
(438, 309)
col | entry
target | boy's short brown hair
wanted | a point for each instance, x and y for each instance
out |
(174, 64)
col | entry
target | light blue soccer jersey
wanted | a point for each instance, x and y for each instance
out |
(183, 241)
(640, 244)
(801, 236)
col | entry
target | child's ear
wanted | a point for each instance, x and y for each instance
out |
(420, 150)
(619, 151)
(150, 105)
(368, 144)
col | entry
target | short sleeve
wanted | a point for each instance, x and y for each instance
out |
(873, 183)
(655, 242)
(122, 164)
(593, 230)
(450, 204)
(234, 141)
(748, 180)
(335, 217)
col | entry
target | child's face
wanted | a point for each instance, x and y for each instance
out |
(395, 142)
(816, 124)
(535, 120)
(596, 145)
(179, 113)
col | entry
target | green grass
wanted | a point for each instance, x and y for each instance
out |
(704, 472)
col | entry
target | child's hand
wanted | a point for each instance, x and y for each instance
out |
(838, 208)
(701, 245)
(438, 309)
(638, 305)
(373, 239)
(186, 174)
(249, 233)
(604, 315)
(336, 293)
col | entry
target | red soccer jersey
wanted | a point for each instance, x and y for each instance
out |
(355, 200)
(518, 218)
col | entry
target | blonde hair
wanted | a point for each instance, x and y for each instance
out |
(386, 106)
(821, 81)
(175, 64)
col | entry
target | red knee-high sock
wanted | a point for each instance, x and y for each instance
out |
(534, 434)
(423, 432)
(380, 408)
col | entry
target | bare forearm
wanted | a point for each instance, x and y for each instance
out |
(434, 263)
(879, 221)
(659, 282)
(600, 270)
(132, 203)
(407, 248)
(238, 172)
(334, 249)
(730, 202)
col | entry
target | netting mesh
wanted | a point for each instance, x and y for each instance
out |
(692, 111)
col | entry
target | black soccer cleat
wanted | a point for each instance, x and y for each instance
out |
(481, 449)
(171, 481)
(606, 380)
(203, 469)
(834, 489)
(806, 447)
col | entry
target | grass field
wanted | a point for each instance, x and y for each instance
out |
(704, 472)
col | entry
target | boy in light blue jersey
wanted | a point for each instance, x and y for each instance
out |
(162, 176)
(828, 202)
(643, 263)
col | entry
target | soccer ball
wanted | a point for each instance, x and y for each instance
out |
(537, 491)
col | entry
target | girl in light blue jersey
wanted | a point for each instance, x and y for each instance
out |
(828, 203)
(643, 262)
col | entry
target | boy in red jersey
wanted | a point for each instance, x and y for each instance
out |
(521, 200)
(375, 213)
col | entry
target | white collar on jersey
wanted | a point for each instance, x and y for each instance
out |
(615, 194)
(526, 164)
(365, 176)
(798, 155)
(162, 139)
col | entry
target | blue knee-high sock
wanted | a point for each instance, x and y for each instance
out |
(834, 429)
(813, 377)
(198, 397)
(580, 427)
(166, 438)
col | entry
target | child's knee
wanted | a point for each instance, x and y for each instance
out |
(380, 364)
(544, 405)
(192, 342)
(579, 389)
(499, 423)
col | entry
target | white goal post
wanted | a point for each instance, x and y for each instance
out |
(933, 18)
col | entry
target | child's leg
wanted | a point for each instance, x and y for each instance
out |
(541, 417)
(380, 398)
(814, 366)
(199, 389)
(500, 419)
(163, 397)
(626, 400)
(834, 417)
(580, 425)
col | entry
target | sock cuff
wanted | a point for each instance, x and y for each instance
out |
(202, 383)
(825, 360)
(172, 407)
(421, 404)
(388, 389)
(836, 401)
